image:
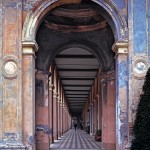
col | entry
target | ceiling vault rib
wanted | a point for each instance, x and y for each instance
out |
(77, 79)
(78, 90)
(81, 70)
(74, 28)
(75, 56)
(75, 94)
(71, 85)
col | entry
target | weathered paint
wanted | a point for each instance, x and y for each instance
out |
(11, 87)
(1, 103)
(119, 28)
(122, 74)
(31, 140)
(118, 124)
(139, 29)
(1, 77)
(109, 113)
(39, 89)
(121, 4)
(29, 99)
(42, 131)
(11, 45)
(148, 19)
(121, 100)
(44, 128)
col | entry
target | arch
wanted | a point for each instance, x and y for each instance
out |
(119, 27)
(99, 57)
(78, 45)
(34, 18)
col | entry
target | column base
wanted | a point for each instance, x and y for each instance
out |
(128, 146)
(12, 146)
(109, 146)
(42, 146)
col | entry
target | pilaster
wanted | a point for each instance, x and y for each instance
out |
(28, 96)
(42, 110)
(121, 50)
(50, 109)
(55, 116)
(11, 75)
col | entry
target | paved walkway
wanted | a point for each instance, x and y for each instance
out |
(78, 139)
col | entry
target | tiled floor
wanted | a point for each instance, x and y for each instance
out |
(78, 139)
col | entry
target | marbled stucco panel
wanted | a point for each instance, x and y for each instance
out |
(10, 106)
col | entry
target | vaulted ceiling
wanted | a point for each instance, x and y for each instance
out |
(79, 39)
(77, 69)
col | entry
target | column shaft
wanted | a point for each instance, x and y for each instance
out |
(29, 96)
(50, 114)
(55, 116)
(121, 94)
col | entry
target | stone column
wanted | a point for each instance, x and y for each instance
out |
(41, 108)
(66, 119)
(28, 94)
(55, 116)
(91, 118)
(109, 111)
(93, 123)
(63, 120)
(59, 120)
(121, 50)
(96, 115)
(99, 103)
(61, 116)
(50, 113)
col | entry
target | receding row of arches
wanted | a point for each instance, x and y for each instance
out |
(75, 71)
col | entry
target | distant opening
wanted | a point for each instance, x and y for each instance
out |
(77, 70)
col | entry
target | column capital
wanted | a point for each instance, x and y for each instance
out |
(55, 95)
(94, 100)
(42, 74)
(120, 47)
(61, 103)
(91, 104)
(29, 47)
(51, 87)
(98, 96)
(59, 99)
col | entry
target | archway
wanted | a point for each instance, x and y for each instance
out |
(118, 26)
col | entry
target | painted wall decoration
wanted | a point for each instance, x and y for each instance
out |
(139, 23)
(140, 66)
(10, 66)
(122, 74)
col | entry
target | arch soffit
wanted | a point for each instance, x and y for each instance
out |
(34, 18)
(79, 45)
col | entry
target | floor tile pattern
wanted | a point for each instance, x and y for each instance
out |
(78, 139)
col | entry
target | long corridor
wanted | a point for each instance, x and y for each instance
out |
(78, 139)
